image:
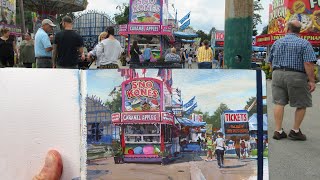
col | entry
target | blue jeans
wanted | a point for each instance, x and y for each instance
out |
(205, 65)
(216, 62)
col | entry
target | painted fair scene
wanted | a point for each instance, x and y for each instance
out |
(158, 124)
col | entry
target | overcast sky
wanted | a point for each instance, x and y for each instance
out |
(205, 14)
(211, 87)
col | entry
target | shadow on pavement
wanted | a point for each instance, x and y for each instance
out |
(94, 174)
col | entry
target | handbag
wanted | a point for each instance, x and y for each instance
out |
(141, 58)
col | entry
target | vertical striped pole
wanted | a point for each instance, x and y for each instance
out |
(238, 33)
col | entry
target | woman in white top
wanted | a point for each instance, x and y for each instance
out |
(220, 144)
(102, 36)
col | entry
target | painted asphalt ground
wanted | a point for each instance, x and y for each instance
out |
(295, 160)
(190, 167)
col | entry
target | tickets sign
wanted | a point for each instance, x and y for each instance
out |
(236, 117)
(237, 128)
(236, 122)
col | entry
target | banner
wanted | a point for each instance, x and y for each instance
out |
(283, 11)
(190, 110)
(142, 94)
(190, 103)
(145, 11)
(185, 25)
(8, 12)
(185, 18)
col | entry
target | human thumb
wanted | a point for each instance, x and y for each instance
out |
(52, 169)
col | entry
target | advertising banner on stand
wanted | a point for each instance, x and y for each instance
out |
(142, 95)
(283, 11)
(145, 11)
(8, 12)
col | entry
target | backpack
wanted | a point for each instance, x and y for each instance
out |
(243, 145)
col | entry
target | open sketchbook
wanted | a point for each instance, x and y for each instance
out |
(130, 124)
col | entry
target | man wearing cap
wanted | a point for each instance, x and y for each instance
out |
(67, 46)
(43, 45)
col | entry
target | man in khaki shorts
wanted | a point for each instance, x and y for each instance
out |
(293, 80)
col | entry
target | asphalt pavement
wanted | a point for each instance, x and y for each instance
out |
(295, 160)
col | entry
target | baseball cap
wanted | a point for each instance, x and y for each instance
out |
(49, 22)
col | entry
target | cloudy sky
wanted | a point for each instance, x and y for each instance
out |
(211, 87)
(205, 14)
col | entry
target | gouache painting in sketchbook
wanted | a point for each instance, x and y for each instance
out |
(131, 124)
(170, 124)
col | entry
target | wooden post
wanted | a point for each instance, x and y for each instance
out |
(23, 25)
(238, 34)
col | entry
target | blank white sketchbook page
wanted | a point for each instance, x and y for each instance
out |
(39, 111)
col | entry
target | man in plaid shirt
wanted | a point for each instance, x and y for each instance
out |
(292, 60)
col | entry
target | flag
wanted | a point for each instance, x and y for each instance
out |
(188, 104)
(169, 77)
(185, 18)
(162, 74)
(185, 25)
(144, 71)
(190, 110)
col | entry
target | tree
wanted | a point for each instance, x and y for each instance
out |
(257, 7)
(213, 29)
(217, 115)
(116, 103)
(203, 35)
(254, 109)
(265, 30)
(60, 16)
(123, 16)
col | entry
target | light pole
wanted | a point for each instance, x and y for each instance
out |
(238, 34)
(23, 25)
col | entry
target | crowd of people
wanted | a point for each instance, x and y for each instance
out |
(66, 50)
(63, 50)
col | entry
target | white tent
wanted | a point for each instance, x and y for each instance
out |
(253, 123)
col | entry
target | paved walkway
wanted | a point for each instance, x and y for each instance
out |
(291, 160)
(191, 167)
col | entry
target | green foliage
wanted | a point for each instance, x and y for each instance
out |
(123, 16)
(116, 104)
(265, 30)
(254, 109)
(257, 7)
(254, 152)
(117, 149)
(214, 119)
(203, 35)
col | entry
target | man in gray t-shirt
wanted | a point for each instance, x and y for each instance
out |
(110, 50)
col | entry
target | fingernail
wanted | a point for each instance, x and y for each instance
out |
(50, 159)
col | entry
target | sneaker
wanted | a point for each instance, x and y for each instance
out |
(297, 136)
(279, 136)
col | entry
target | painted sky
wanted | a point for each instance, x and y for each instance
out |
(211, 87)
(205, 14)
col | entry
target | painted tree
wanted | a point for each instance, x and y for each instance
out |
(116, 103)
(250, 101)
(217, 115)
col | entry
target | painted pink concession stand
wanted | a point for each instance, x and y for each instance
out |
(146, 129)
(148, 18)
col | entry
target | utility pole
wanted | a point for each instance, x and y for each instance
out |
(23, 25)
(238, 34)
